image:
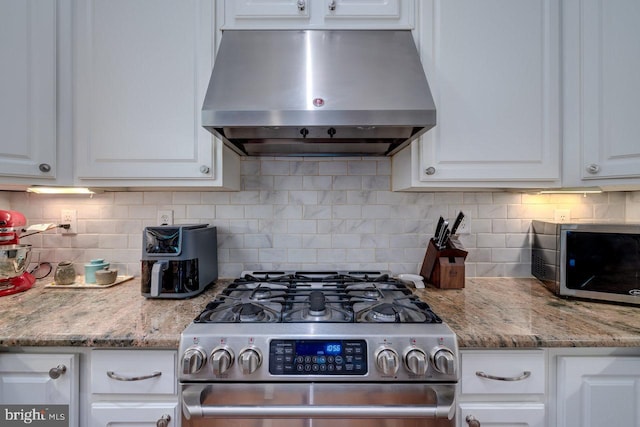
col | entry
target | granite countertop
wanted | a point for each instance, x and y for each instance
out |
(487, 313)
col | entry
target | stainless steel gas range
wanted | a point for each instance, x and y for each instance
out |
(317, 349)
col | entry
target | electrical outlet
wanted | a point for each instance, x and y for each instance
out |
(69, 217)
(464, 227)
(165, 217)
(561, 215)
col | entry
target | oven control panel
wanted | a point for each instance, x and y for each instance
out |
(318, 357)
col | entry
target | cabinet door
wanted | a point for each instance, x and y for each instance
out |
(266, 13)
(598, 391)
(28, 88)
(602, 68)
(142, 70)
(134, 414)
(318, 14)
(502, 414)
(494, 71)
(26, 379)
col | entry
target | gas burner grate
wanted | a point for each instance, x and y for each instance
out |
(333, 297)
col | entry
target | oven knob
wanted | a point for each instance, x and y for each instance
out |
(387, 361)
(416, 361)
(249, 360)
(444, 361)
(193, 360)
(221, 360)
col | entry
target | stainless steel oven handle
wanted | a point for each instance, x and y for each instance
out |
(192, 408)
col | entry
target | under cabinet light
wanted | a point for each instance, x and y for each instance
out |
(572, 191)
(60, 190)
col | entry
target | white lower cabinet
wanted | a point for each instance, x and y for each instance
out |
(598, 391)
(502, 414)
(40, 379)
(502, 388)
(134, 388)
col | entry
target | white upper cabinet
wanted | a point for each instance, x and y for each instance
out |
(494, 70)
(28, 90)
(141, 73)
(601, 93)
(325, 14)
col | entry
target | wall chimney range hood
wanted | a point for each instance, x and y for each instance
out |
(318, 92)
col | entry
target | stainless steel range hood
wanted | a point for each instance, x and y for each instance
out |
(318, 93)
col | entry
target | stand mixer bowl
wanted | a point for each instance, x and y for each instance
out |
(14, 260)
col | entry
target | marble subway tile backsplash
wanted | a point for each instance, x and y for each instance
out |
(313, 214)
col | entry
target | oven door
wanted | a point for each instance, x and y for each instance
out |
(318, 405)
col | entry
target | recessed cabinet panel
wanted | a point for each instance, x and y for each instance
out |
(28, 89)
(506, 372)
(142, 69)
(610, 91)
(598, 391)
(494, 70)
(130, 371)
(502, 414)
(134, 414)
(40, 379)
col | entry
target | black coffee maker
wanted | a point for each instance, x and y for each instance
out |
(178, 261)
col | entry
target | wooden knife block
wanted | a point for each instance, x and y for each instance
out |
(444, 268)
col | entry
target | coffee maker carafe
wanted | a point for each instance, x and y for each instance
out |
(178, 261)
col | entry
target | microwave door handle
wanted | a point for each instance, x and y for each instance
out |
(156, 277)
(445, 408)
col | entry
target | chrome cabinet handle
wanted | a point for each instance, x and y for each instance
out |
(55, 373)
(301, 5)
(471, 421)
(332, 5)
(430, 170)
(524, 376)
(204, 169)
(117, 377)
(163, 421)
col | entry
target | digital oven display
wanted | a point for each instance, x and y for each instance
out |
(318, 357)
(318, 348)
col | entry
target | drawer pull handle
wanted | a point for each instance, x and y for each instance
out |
(524, 376)
(117, 377)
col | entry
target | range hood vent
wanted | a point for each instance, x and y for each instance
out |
(318, 93)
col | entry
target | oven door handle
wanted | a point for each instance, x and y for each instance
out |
(193, 408)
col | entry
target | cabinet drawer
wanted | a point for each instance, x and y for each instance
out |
(133, 371)
(503, 372)
(139, 414)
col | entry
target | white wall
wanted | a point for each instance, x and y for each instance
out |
(313, 214)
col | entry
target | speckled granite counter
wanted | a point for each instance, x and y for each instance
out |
(118, 316)
(488, 313)
(500, 313)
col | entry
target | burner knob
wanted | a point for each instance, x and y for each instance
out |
(249, 360)
(387, 361)
(444, 361)
(193, 360)
(416, 361)
(221, 360)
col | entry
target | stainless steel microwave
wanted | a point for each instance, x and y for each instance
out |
(593, 261)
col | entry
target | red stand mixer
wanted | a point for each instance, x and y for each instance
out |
(14, 257)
